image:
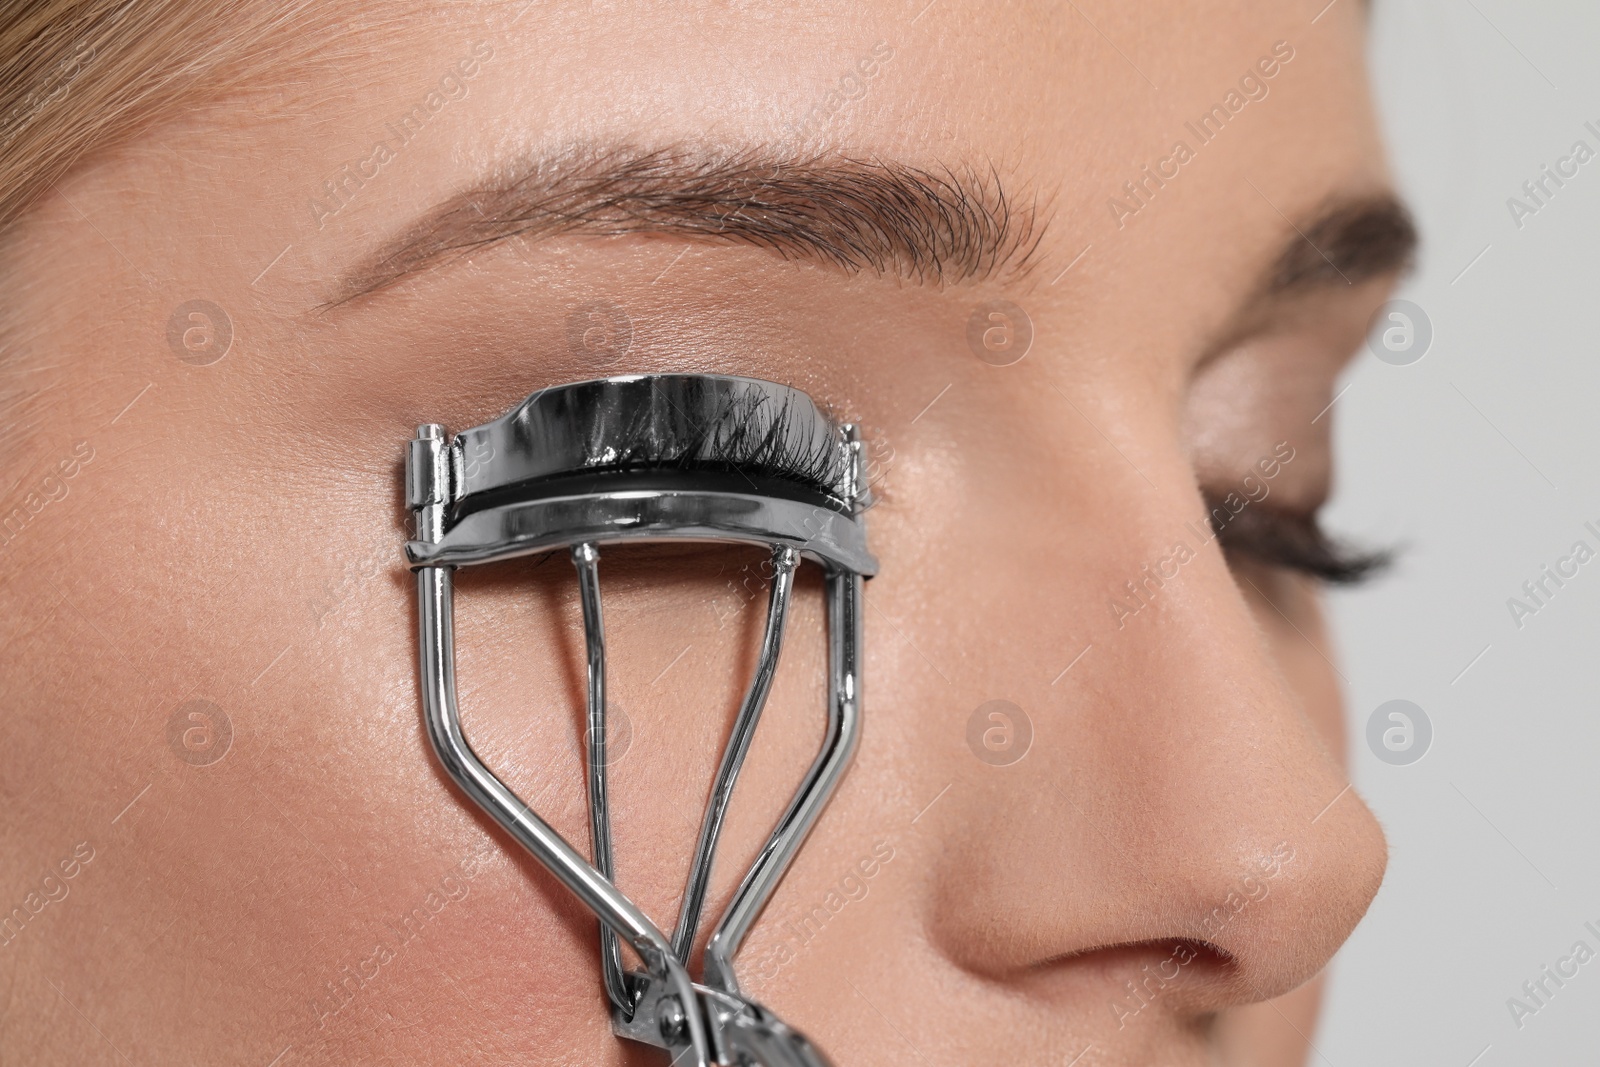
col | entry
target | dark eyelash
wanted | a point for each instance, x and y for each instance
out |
(759, 437)
(714, 432)
(1296, 542)
(748, 435)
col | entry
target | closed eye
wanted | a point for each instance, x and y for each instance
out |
(1293, 541)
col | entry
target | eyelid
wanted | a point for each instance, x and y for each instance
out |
(1294, 541)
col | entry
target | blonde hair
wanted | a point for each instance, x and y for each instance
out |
(79, 76)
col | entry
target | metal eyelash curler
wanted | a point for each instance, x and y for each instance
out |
(685, 457)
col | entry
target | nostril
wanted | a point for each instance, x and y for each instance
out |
(1182, 950)
(1135, 979)
(1172, 973)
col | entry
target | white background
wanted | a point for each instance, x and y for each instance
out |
(1483, 462)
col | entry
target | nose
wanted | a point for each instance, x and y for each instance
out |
(1180, 831)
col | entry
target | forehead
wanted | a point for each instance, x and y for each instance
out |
(909, 77)
(1171, 143)
(1072, 100)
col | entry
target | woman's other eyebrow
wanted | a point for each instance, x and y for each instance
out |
(930, 225)
(1349, 242)
(1353, 238)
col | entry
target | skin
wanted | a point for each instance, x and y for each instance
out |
(235, 538)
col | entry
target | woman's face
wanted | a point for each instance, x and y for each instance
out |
(210, 633)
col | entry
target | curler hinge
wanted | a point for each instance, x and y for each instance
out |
(428, 468)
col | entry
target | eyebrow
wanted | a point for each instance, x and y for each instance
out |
(938, 225)
(1348, 242)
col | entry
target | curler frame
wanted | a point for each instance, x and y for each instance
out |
(638, 458)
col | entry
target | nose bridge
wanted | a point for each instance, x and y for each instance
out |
(1242, 822)
(1181, 783)
(1245, 766)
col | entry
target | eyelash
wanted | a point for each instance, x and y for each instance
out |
(1295, 542)
(1291, 541)
(744, 435)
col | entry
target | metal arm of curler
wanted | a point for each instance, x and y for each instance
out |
(784, 561)
(436, 625)
(436, 608)
(838, 746)
(845, 617)
(586, 558)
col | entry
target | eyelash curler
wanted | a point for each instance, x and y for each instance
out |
(680, 457)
